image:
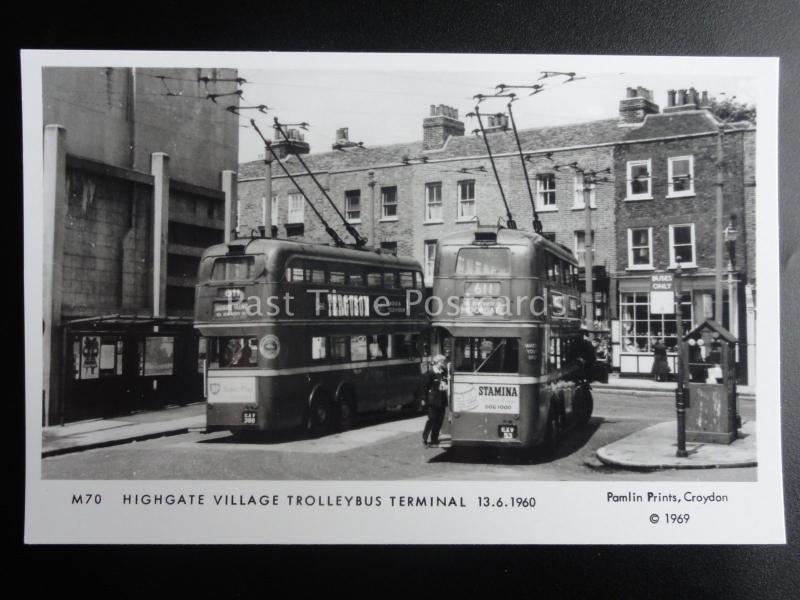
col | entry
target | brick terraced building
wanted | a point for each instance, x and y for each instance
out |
(404, 197)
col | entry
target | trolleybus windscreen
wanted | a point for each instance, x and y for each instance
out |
(233, 269)
(486, 355)
(483, 261)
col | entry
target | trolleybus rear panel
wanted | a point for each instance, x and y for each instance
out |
(516, 294)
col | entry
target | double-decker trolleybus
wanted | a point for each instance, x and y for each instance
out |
(512, 321)
(306, 335)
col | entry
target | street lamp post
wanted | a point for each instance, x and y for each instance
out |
(680, 404)
(588, 253)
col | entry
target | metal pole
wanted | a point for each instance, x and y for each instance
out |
(267, 195)
(371, 238)
(680, 405)
(718, 261)
(510, 223)
(588, 255)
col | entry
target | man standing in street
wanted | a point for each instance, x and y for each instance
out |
(435, 386)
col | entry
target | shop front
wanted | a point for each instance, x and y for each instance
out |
(117, 365)
(639, 328)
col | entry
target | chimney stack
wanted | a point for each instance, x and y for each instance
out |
(496, 123)
(686, 100)
(296, 145)
(441, 124)
(637, 104)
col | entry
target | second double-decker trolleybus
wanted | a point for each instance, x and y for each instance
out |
(306, 335)
(511, 321)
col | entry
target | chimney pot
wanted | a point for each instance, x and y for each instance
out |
(441, 124)
(637, 104)
(670, 98)
(342, 134)
(704, 101)
(681, 97)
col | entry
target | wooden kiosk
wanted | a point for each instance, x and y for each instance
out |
(709, 353)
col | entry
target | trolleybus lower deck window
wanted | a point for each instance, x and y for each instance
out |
(233, 352)
(487, 355)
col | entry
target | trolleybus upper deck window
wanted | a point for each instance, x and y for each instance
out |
(486, 355)
(483, 261)
(234, 268)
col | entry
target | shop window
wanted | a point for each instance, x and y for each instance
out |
(641, 329)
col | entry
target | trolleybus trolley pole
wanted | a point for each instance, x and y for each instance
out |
(537, 224)
(510, 223)
(350, 229)
(334, 236)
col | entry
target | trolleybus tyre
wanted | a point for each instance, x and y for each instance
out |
(345, 412)
(318, 419)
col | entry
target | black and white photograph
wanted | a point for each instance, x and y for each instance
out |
(345, 297)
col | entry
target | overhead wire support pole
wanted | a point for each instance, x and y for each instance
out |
(328, 229)
(510, 223)
(360, 241)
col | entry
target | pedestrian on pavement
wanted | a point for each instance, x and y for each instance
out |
(660, 365)
(435, 386)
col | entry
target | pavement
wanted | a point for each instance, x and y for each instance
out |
(650, 448)
(615, 382)
(655, 447)
(84, 435)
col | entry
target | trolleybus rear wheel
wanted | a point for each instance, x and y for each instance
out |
(319, 415)
(345, 412)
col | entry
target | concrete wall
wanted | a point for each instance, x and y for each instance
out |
(106, 245)
(119, 116)
(95, 106)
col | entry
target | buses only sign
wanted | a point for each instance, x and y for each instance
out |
(662, 293)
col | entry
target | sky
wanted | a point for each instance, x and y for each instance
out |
(388, 106)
